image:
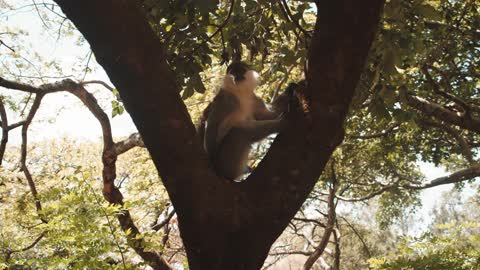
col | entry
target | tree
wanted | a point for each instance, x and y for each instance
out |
(239, 221)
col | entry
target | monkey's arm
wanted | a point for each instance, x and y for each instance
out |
(262, 112)
(280, 105)
(257, 130)
(216, 128)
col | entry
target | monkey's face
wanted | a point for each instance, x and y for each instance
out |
(243, 76)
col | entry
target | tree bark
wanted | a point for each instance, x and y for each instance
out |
(226, 225)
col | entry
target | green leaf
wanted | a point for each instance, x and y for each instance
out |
(390, 60)
(388, 96)
(197, 83)
(429, 12)
(211, 29)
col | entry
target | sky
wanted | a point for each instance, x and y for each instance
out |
(57, 110)
(62, 115)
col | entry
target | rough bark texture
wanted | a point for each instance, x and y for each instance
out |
(227, 225)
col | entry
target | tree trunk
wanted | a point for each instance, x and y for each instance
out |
(227, 225)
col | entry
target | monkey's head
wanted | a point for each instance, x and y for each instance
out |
(241, 76)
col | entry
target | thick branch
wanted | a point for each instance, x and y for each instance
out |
(441, 113)
(134, 140)
(63, 85)
(459, 176)
(456, 177)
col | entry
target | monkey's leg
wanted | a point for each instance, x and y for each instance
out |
(232, 155)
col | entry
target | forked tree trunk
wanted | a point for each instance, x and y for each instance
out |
(225, 225)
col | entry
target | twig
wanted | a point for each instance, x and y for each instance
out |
(39, 15)
(464, 145)
(220, 27)
(110, 225)
(436, 88)
(98, 82)
(365, 246)
(33, 244)
(60, 29)
(88, 62)
(165, 221)
(4, 123)
(289, 15)
(8, 47)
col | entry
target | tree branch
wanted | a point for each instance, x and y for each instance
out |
(134, 140)
(439, 112)
(8, 47)
(448, 96)
(98, 82)
(331, 218)
(456, 177)
(111, 193)
(289, 16)
(219, 29)
(23, 158)
(464, 145)
(109, 156)
(355, 231)
(336, 259)
(4, 123)
(367, 197)
(33, 244)
(165, 221)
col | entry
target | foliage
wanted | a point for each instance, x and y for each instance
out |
(82, 231)
(451, 250)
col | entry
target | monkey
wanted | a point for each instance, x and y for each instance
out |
(236, 118)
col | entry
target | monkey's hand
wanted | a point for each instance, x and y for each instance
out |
(285, 102)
